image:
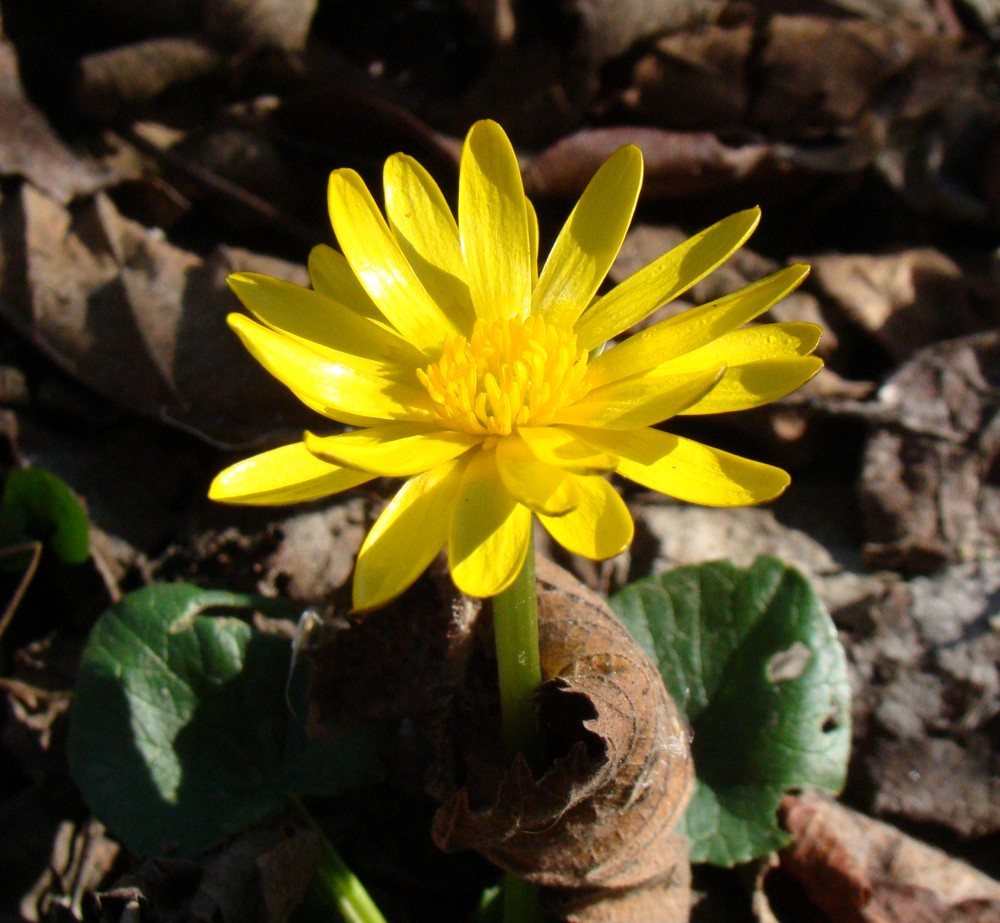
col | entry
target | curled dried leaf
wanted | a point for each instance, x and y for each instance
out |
(595, 827)
(598, 826)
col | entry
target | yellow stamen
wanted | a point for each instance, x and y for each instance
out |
(509, 373)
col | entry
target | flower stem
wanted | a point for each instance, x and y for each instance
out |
(341, 892)
(520, 901)
(515, 631)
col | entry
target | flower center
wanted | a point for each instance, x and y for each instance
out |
(508, 373)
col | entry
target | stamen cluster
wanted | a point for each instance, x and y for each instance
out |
(510, 372)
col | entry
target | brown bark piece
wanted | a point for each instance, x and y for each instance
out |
(598, 825)
(859, 870)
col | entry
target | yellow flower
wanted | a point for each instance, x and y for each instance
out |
(482, 382)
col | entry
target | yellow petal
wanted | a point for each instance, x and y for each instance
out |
(493, 220)
(393, 450)
(692, 329)
(590, 240)
(331, 275)
(319, 321)
(407, 536)
(640, 401)
(489, 532)
(688, 470)
(380, 264)
(356, 391)
(289, 474)
(555, 446)
(532, 239)
(664, 279)
(426, 231)
(763, 363)
(540, 487)
(751, 344)
(753, 384)
(599, 527)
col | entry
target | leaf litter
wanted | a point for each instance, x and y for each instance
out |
(146, 156)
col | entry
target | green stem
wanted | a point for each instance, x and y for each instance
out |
(342, 893)
(520, 901)
(515, 630)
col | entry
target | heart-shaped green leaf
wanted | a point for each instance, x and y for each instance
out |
(38, 505)
(181, 731)
(752, 658)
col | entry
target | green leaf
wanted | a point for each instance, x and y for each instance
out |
(752, 658)
(38, 505)
(181, 731)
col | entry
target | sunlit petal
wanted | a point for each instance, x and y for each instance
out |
(692, 329)
(532, 239)
(641, 401)
(289, 474)
(489, 532)
(355, 391)
(751, 344)
(540, 487)
(599, 527)
(589, 242)
(664, 279)
(426, 231)
(331, 275)
(322, 323)
(493, 219)
(407, 536)
(556, 446)
(394, 450)
(688, 470)
(753, 384)
(380, 264)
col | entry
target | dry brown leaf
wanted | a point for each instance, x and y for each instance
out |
(694, 79)
(817, 75)
(494, 19)
(610, 27)
(117, 82)
(316, 553)
(859, 870)
(31, 149)
(259, 876)
(598, 826)
(904, 300)
(927, 491)
(676, 163)
(249, 24)
(921, 651)
(930, 16)
(137, 318)
(82, 856)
